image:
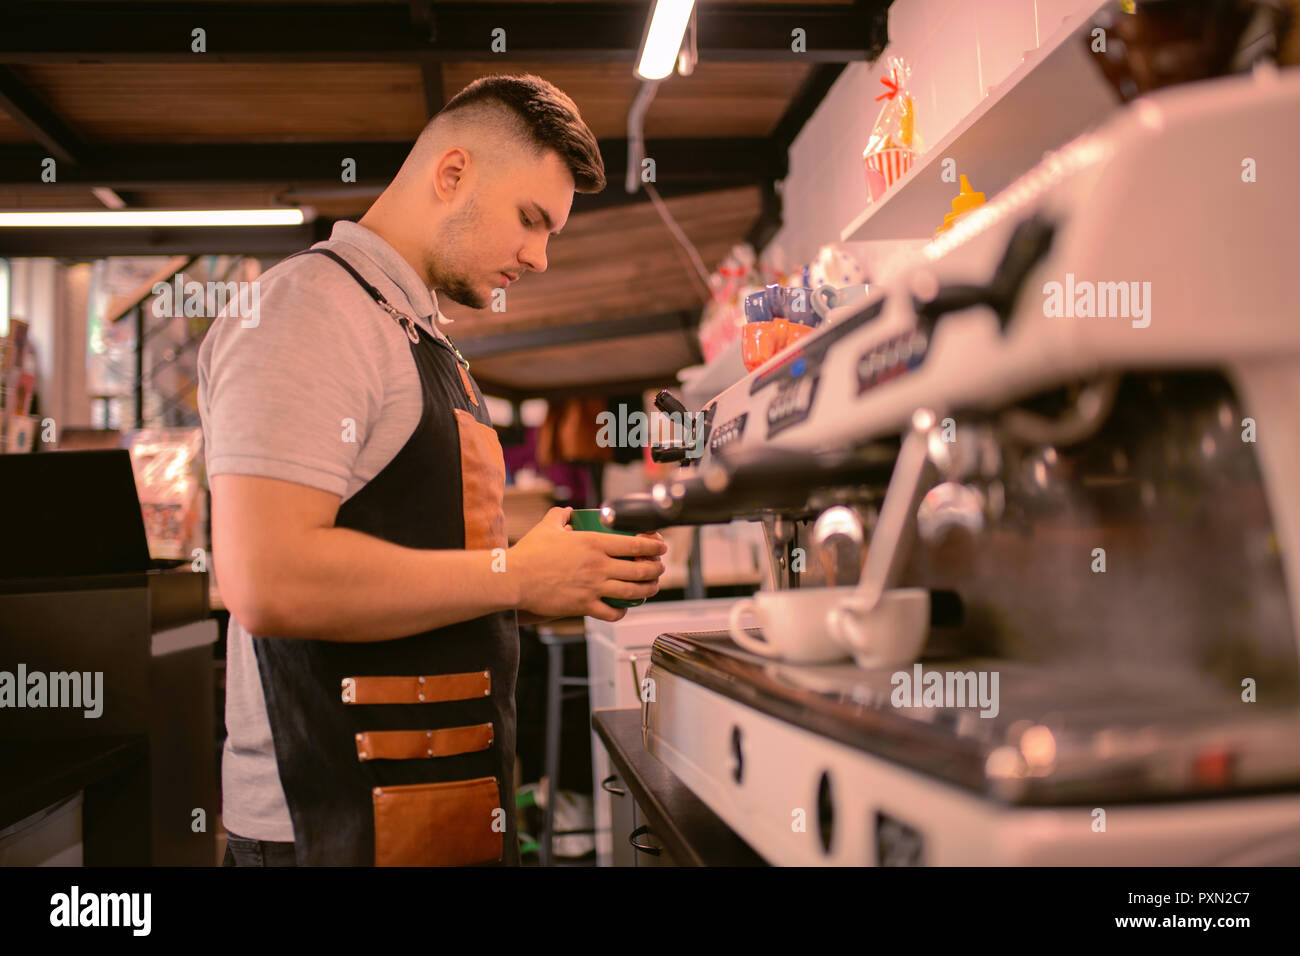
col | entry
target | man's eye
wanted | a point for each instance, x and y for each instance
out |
(525, 219)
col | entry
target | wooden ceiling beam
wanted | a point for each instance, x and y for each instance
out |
(89, 242)
(42, 123)
(693, 163)
(435, 97)
(125, 32)
(553, 393)
(506, 342)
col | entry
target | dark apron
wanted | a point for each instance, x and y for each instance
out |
(401, 752)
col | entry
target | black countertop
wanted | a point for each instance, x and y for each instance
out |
(692, 833)
(39, 773)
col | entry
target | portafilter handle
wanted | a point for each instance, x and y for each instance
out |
(636, 512)
(771, 482)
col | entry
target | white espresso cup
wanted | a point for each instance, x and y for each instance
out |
(891, 634)
(793, 623)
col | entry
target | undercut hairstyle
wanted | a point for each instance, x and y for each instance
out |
(534, 111)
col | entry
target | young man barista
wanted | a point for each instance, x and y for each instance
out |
(358, 536)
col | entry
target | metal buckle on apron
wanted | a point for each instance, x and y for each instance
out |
(406, 322)
(459, 358)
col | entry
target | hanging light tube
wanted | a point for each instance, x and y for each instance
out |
(663, 38)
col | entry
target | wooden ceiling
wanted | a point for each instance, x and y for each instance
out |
(371, 102)
(261, 119)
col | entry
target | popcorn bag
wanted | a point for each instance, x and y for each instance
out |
(893, 145)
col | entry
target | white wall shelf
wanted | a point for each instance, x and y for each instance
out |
(1052, 96)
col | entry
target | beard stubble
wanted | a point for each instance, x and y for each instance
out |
(451, 281)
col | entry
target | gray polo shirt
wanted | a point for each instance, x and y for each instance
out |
(323, 392)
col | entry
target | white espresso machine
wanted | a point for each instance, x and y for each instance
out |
(1074, 418)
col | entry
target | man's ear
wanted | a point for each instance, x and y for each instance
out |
(449, 172)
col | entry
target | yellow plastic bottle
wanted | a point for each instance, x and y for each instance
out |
(962, 203)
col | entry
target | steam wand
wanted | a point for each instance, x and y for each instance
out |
(913, 475)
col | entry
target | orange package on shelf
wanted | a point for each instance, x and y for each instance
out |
(758, 343)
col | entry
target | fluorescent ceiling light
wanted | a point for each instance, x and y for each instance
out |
(157, 217)
(664, 38)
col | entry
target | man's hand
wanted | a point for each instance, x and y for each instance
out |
(565, 573)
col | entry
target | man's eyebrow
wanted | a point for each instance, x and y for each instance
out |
(546, 218)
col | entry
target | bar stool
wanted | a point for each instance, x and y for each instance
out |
(557, 635)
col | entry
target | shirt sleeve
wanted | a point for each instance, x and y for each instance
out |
(293, 391)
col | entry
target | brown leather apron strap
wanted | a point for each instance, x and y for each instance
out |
(417, 744)
(426, 689)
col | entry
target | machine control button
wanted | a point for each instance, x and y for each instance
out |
(890, 359)
(728, 432)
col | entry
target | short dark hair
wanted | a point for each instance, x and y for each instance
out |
(549, 118)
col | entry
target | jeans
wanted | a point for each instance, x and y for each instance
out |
(244, 852)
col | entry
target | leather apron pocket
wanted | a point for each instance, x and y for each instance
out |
(458, 823)
(483, 483)
(442, 823)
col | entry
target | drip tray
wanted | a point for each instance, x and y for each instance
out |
(1013, 730)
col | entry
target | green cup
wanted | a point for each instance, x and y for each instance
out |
(588, 519)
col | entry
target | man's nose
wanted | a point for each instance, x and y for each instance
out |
(534, 255)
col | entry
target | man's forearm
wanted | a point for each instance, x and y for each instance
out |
(342, 585)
